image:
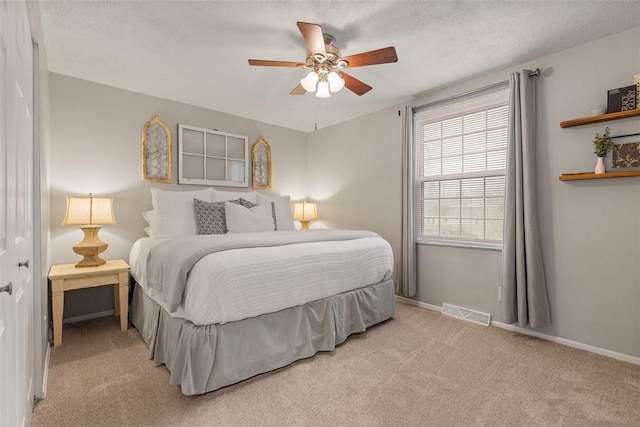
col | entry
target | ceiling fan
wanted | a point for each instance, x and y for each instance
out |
(327, 65)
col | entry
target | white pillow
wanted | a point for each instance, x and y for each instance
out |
(151, 232)
(243, 220)
(284, 217)
(174, 212)
(223, 196)
(151, 217)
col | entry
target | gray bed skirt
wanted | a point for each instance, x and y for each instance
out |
(206, 358)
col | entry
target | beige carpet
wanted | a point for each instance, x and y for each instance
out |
(419, 368)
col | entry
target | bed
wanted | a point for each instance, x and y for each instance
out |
(219, 308)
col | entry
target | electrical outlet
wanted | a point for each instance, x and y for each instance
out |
(499, 293)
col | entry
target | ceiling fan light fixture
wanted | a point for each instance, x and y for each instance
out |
(326, 64)
(309, 82)
(336, 83)
(323, 89)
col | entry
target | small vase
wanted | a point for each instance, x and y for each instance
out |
(600, 165)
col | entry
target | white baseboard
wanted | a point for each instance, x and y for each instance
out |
(569, 343)
(418, 303)
(90, 316)
(558, 340)
(45, 373)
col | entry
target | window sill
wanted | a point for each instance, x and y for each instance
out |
(460, 244)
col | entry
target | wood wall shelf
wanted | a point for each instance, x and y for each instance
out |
(600, 118)
(591, 175)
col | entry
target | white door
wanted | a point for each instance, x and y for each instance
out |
(16, 233)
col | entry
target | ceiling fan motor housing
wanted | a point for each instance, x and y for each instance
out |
(331, 60)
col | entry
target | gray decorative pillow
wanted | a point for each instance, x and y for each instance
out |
(210, 218)
(244, 203)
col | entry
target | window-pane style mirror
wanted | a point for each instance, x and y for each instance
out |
(261, 163)
(156, 151)
(211, 157)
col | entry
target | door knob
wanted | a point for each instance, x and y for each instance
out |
(24, 264)
(8, 289)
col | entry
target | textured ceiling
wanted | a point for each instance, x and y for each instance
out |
(196, 51)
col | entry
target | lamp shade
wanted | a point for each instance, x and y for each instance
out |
(305, 211)
(89, 211)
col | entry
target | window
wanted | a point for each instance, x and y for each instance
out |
(460, 148)
(210, 157)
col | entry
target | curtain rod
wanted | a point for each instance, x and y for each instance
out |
(462, 95)
(535, 73)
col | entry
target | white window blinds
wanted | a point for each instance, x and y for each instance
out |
(460, 151)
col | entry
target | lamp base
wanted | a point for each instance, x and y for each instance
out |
(304, 225)
(90, 247)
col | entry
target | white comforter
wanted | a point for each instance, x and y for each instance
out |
(240, 283)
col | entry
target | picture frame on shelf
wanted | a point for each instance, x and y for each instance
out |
(625, 156)
(625, 153)
(622, 99)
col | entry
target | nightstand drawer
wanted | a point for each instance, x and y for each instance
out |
(88, 281)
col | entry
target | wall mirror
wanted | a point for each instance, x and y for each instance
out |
(261, 164)
(211, 157)
(156, 151)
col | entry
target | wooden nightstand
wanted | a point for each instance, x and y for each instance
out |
(66, 277)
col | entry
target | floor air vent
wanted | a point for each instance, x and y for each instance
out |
(466, 314)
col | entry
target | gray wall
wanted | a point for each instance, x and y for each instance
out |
(355, 174)
(95, 147)
(590, 229)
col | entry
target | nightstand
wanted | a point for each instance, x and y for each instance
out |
(66, 277)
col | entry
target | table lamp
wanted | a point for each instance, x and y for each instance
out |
(305, 212)
(90, 213)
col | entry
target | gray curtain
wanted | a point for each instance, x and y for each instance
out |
(406, 277)
(525, 298)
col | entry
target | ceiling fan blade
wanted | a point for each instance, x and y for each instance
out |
(312, 34)
(354, 85)
(373, 57)
(267, 63)
(298, 90)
